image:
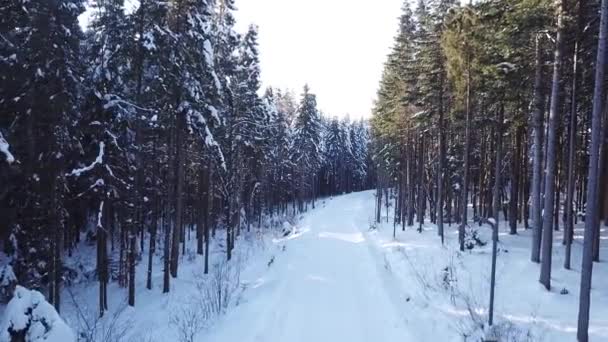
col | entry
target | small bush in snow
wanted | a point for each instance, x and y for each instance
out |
(373, 226)
(188, 321)
(507, 332)
(449, 278)
(30, 318)
(109, 328)
(472, 239)
(219, 287)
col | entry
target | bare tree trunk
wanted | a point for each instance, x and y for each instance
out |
(496, 205)
(179, 189)
(515, 172)
(601, 162)
(209, 222)
(593, 180)
(467, 152)
(131, 260)
(378, 200)
(202, 208)
(554, 118)
(168, 221)
(152, 245)
(440, 164)
(569, 224)
(538, 155)
(421, 195)
(102, 264)
(411, 188)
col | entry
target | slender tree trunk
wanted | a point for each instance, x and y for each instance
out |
(496, 205)
(411, 190)
(467, 152)
(202, 211)
(515, 172)
(554, 119)
(152, 246)
(57, 241)
(421, 195)
(591, 213)
(569, 222)
(538, 155)
(168, 221)
(208, 222)
(102, 265)
(601, 162)
(440, 164)
(179, 189)
(131, 257)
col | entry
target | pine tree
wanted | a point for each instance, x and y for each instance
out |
(40, 66)
(306, 146)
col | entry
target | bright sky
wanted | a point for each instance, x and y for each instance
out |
(338, 47)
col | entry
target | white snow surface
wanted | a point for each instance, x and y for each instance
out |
(339, 280)
(29, 310)
(329, 286)
(334, 275)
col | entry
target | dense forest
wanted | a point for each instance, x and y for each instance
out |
(499, 105)
(143, 132)
(143, 127)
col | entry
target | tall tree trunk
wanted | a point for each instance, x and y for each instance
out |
(179, 189)
(57, 224)
(569, 223)
(102, 261)
(152, 245)
(131, 257)
(515, 172)
(440, 164)
(554, 119)
(168, 221)
(411, 187)
(208, 222)
(202, 207)
(537, 166)
(496, 205)
(467, 152)
(421, 194)
(601, 162)
(593, 180)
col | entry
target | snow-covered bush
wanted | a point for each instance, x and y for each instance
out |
(30, 318)
(8, 281)
(472, 238)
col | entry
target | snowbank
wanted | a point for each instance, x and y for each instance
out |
(30, 316)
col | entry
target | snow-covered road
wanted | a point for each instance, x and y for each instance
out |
(329, 284)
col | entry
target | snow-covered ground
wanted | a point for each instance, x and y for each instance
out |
(340, 277)
(337, 280)
(195, 302)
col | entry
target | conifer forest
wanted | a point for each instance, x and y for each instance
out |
(156, 186)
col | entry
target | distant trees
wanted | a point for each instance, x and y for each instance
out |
(145, 129)
(435, 146)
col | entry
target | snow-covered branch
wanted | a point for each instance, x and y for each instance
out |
(4, 148)
(97, 161)
(114, 100)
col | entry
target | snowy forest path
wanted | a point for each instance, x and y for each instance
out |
(328, 285)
